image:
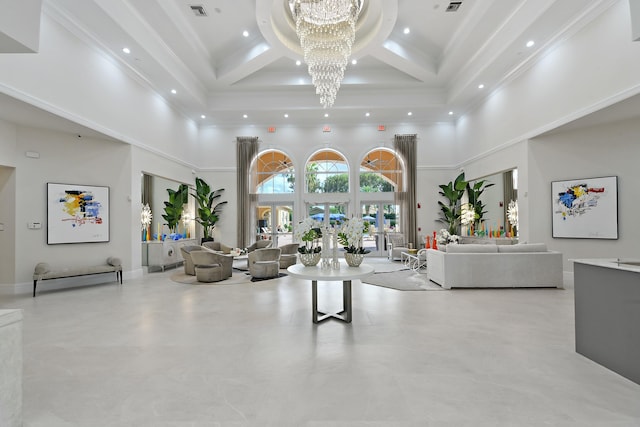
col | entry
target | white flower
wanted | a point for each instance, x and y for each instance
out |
(304, 227)
(145, 216)
(443, 237)
(353, 229)
(467, 214)
(512, 213)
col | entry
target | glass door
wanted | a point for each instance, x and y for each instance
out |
(275, 222)
(328, 214)
(382, 218)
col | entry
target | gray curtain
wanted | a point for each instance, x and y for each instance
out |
(405, 197)
(246, 152)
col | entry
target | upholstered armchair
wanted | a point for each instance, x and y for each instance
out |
(288, 254)
(206, 267)
(226, 261)
(260, 244)
(264, 263)
(217, 246)
(396, 244)
(189, 268)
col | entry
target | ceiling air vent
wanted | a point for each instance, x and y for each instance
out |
(454, 6)
(198, 10)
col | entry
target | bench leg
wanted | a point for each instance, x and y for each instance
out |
(34, 288)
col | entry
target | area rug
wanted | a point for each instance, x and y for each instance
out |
(236, 278)
(402, 280)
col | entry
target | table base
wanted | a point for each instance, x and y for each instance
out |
(344, 315)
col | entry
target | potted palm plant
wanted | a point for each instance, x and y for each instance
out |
(208, 210)
(174, 207)
(453, 192)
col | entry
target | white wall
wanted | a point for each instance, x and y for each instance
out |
(594, 68)
(604, 150)
(77, 82)
(66, 159)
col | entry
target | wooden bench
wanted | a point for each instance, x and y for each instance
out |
(43, 271)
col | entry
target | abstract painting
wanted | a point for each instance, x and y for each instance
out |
(77, 213)
(585, 208)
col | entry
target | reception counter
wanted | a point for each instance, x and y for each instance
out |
(607, 313)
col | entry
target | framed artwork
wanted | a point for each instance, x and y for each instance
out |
(585, 208)
(77, 213)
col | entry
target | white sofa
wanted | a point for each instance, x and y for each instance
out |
(495, 266)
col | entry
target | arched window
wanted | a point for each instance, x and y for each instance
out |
(327, 171)
(380, 172)
(273, 173)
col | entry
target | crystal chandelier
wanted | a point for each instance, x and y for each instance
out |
(327, 30)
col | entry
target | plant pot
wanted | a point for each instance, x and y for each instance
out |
(309, 260)
(353, 260)
(206, 239)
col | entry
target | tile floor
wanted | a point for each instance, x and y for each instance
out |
(157, 353)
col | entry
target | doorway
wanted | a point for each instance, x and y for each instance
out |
(275, 222)
(382, 218)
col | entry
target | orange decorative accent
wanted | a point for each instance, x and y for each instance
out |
(435, 243)
(427, 244)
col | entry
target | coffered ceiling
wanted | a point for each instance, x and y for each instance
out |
(434, 69)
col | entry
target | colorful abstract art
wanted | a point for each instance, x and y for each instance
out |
(585, 208)
(77, 213)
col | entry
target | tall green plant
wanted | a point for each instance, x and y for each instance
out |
(453, 192)
(174, 207)
(208, 210)
(474, 192)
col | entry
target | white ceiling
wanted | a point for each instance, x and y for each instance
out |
(434, 69)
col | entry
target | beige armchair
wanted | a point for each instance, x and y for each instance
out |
(396, 244)
(226, 261)
(189, 267)
(260, 244)
(288, 254)
(264, 263)
(217, 246)
(206, 267)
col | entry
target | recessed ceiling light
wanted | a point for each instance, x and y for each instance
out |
(326, 114)
(202, 116)
(298, 62)
(407, 30)
(409, 113)
(451, 113)
(367, 114)
(173, 91)
(354, 61)
(245, 116)
(286, 116)
(530, 43)
(126, 50)
(245, 33)
(480, 86)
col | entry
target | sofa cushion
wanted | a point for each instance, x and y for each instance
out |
(471, 248)
(523, 247)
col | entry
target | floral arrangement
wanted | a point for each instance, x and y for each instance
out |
(308, 231)
(468, 215)
(512, 213)
(443, 237)
(350, 235)
(145, 216)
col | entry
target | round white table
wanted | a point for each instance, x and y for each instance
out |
(345, 274)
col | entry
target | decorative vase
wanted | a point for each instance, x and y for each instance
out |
(427, 244)
(309, 260)
(353, 260)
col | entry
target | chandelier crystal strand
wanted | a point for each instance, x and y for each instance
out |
(327, 30)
